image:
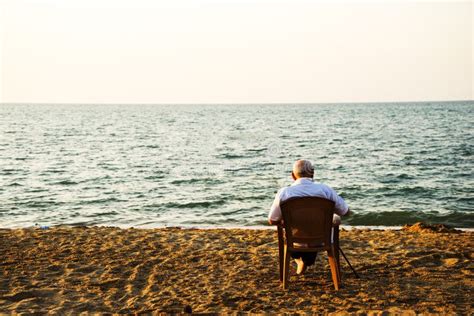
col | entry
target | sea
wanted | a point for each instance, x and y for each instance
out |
(220, 165)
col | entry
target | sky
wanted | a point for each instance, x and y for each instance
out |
(259, 51)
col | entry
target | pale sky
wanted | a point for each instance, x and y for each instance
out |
(222, 51)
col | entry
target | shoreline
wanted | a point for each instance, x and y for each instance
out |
(230, 227)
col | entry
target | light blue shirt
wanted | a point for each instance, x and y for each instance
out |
(306, 187)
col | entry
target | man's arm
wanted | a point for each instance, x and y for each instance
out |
(348, 212)
(272, 222)
(275, 217)
(341, 207)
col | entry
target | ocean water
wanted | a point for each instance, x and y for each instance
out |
(220, 165)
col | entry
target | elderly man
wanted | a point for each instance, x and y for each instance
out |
(303, 173)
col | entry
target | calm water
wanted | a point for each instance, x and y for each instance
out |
(156, 165)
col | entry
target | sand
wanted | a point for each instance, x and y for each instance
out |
(110, 270)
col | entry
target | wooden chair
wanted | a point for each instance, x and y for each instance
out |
(307, 221)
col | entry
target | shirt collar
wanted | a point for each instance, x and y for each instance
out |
(303, 181)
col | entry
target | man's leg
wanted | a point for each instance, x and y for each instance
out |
(303, 260)
(309, 257)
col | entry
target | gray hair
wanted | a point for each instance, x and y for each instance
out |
(303, 168)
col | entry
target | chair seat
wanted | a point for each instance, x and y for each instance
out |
(303, 245)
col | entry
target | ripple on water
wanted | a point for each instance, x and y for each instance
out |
(207, 181)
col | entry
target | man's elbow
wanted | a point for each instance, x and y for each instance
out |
(272, 222)
(348, 213)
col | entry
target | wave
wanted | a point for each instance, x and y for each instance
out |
(64, 182)
(48, 171)
(400, 218)
(39, 204)
(257, 150)
(197, 180)
(100, 201)
(200, 204)
(155, 177)
(231, 156)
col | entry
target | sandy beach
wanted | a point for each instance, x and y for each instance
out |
(111, 270)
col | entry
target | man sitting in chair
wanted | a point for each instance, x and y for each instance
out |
(302, 173)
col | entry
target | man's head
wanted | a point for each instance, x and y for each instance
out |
(302, 169)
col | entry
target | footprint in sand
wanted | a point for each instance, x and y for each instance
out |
(450, 262)
(24, 295)
(20, 296)
(425, 261)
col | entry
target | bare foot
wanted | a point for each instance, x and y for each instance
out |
(301, 266)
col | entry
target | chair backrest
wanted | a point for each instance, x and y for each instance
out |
(308, 220)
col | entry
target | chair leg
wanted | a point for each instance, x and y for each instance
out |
(338, 265)
(335, 251)
(334, 267)
(336, 246)
(286, 268)
(281, 259)
(280, 251)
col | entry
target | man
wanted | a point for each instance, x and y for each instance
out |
(302, 174)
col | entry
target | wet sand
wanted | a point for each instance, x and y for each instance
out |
(112, 270)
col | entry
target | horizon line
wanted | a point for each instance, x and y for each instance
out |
(234, 103)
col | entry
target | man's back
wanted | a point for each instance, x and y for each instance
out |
(306, 187)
